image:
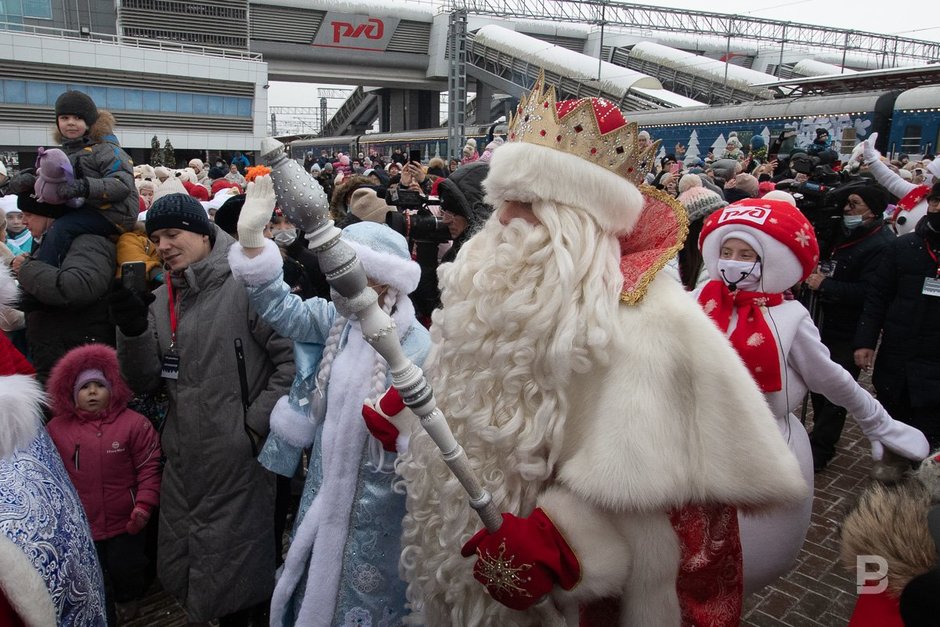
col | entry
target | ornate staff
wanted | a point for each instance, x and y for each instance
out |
(303, 202)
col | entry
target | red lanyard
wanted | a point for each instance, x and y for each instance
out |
(855, 241)
(933, 256)
(171, 302)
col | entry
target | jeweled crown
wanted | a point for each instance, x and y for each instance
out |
(590, 128)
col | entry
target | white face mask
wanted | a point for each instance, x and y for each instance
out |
(852, 222)
(739, 275)
(285, 237)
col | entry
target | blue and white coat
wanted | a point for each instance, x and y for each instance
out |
(347, 530)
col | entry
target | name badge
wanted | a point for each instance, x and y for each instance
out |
(931, 287)
(171, 365)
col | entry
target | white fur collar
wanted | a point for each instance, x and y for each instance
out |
(258, 270)
(23, 587)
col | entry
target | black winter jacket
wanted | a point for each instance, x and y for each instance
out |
(908, 360)
(842, 294)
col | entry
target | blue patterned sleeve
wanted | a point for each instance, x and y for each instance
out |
(280, 457)
(290, 315)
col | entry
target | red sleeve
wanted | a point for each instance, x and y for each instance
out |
(8, 617)
(876, 610)
(12, 360)
(145, 443)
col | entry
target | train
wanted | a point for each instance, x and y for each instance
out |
(907, 122)
(431, 142)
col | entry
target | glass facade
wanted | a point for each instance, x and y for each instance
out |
(14, 11)
(40, 93)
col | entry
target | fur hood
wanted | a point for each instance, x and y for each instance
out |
(90, 356)
(891, 522)
(102, 130)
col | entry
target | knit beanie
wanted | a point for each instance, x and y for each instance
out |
(27, 203)
(874, 195)
(700, 202)
(748, 184)
(179, 211)
(384, 255)
(217, 172)
(365, 204)
(689, 181)
(87, 376)
(79, 104)
(196, 164)
(161, 172)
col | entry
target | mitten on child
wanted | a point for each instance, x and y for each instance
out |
(138, 519)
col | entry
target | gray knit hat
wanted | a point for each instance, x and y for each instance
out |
(700, 202)
(179, 211)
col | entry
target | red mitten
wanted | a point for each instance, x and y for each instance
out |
(378, 418)
(520, 563)
(138, 520)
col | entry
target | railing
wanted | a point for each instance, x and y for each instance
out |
(343, 114)
(134, 42)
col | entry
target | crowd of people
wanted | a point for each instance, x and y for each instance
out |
(620, 353)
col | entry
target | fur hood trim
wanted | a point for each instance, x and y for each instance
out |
(21, 401)
(891, 521)
(101, 130)
(23, 587)
(528, 173)
(90, 356)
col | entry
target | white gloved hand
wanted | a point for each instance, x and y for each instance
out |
(901, 438)
(869, 153)
(256, 213)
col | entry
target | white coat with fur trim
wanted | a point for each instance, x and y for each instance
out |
(675, 418)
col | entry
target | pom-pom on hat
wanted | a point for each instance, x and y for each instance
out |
(689, 181)
(86, 377)
(384, 255)
(79, 104)
(179, 211)
(788, 242)
(700, 202)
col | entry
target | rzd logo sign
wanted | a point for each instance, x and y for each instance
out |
(356, 32)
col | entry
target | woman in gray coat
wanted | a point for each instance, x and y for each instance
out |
(216, 549)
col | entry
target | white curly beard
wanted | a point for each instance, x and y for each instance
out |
(524, 307)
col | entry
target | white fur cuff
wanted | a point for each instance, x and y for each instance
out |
(292, 426)
(401, 442)
(23, 587)
(258, 270)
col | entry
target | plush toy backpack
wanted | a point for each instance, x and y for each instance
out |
(52, 169)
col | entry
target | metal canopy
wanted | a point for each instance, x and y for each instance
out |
(892, 78)
(890, 48)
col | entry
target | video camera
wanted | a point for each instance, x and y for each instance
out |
(815, 197)
(414, 219)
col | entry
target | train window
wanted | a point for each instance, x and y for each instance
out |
(910, 141)
(849, 139)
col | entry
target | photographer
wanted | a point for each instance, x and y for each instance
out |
(841, 282)
(463, 214)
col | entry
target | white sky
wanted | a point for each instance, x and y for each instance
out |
(919, 19)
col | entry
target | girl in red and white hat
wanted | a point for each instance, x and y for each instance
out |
(754, 250)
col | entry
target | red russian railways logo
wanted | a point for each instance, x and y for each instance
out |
(355, 32)
(757, 215)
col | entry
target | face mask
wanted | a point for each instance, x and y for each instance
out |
(285, 237)
(852, 222)
(739, 275)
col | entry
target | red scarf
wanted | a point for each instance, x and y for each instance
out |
(751, 336)
(913, 197)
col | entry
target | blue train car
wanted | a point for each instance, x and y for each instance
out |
(915, 127)
(849, 118)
